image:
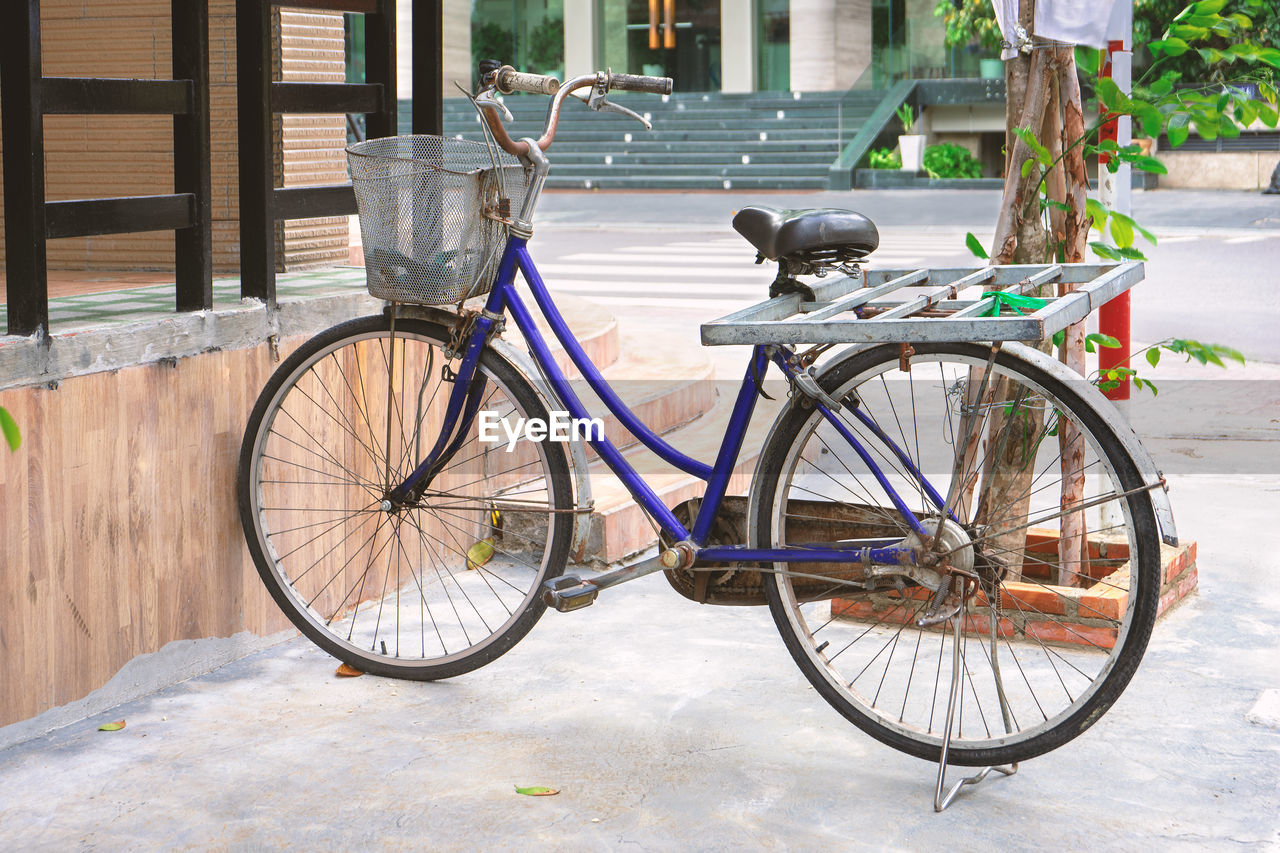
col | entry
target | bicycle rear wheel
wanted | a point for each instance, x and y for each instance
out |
(1072, 594)
(427, 590)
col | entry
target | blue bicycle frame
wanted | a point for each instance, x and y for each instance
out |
(469, 387)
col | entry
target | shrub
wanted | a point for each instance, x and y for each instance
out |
(884, 158)
(948, 160)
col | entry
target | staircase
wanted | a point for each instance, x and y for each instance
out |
(671, 388)
(759, 140)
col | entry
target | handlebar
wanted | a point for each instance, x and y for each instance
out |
(506, 80)
(510, 80)
(641, 83)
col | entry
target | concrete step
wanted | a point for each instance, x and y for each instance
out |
(600, 132)
(638, 182)
(698, 140)
(731, 169)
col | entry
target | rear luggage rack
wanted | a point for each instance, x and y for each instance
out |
(897, 306)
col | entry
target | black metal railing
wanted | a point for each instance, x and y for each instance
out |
(31, 221)
(262, 202)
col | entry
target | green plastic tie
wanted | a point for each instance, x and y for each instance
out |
(1015, 301)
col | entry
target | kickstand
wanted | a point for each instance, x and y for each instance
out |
(940, 800)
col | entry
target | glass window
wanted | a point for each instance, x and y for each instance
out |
(668, 38)
(773, 49)
(528, 35)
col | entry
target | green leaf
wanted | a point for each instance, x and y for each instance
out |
(1129, 253)
(1027, 166)
(1097, 213)
(1111, 97)
(1267, 114)
(1271, 56)
(480, 553)
(1188, 33)
(1104, 251)
(1103, 340)
(1162, 87)
(1241, 20)
(111, 727)
(1247, 113)
(975, 246)
(1088, 59)
(1150, 164)
(1178, 129)
(1229, 352)
(1152, 119)
(1150, 238)
(1207, 19)
(1153, 356)
(536, 791)
(10, 429)
(1121, 231)
(1172, 46)
(1059, 336)
(1042, 153)
(1207, 127)
(1210, 7)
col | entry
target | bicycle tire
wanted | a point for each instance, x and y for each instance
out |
(872, 685)
(414, 592)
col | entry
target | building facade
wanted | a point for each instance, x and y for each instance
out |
(730, 46)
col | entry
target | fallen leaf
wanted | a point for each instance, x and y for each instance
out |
(346, 670)
(111, 727)
(480, 553)
(537, 791)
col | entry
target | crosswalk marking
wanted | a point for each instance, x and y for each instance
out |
(715, 276)
(652, 271)
(630, 256)
(759, 287)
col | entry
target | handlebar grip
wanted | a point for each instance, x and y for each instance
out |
(641, 83)
(511, 80)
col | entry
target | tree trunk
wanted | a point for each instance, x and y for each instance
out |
(1073, 545)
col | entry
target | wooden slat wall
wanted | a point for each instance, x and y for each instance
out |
(119, 530)
(313, 51)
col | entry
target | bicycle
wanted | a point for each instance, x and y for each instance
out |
(913, 502)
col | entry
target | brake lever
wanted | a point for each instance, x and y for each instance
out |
(486, 99)
(600, 103)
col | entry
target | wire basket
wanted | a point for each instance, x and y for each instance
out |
(422, 202)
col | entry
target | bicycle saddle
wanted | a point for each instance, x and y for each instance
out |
(783, 233)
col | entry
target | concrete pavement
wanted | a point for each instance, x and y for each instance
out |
(670, 726)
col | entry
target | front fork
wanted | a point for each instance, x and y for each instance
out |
(469, 386)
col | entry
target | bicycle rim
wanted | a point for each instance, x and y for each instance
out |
(1072, 606)
(425, 590)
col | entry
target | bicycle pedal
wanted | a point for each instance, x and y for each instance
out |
(569, 592)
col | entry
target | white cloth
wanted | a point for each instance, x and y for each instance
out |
(1007, 18)
(1078, 21)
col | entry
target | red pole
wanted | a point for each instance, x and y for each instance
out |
(1113, 317)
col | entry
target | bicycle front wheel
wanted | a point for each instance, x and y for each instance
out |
(1068, 579)
(426, 589)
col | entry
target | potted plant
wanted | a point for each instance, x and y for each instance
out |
(972, 24)
(910, 144)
